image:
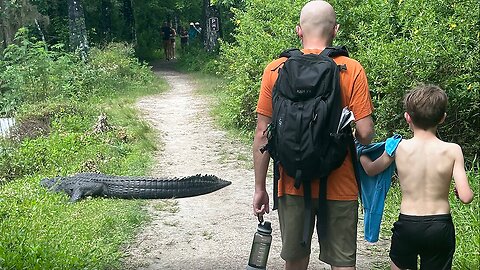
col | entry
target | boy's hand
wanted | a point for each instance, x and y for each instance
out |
(456, 192)
(360, 147)
(391, 144)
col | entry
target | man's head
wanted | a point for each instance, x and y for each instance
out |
(318, 23)
(425, 106)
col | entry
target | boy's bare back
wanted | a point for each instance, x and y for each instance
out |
(425, 163)
(425, 167)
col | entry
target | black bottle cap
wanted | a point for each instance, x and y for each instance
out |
(266, 227)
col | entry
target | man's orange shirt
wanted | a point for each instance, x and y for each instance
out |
(355, 94)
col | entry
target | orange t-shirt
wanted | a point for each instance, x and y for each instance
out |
(341, 184)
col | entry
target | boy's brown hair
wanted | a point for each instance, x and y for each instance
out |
(426, 105)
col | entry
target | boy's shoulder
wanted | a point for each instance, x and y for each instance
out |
(413, 144)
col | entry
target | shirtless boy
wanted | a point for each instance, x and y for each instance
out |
(425, 167)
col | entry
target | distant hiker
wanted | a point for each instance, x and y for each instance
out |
(192, 32)
(166, 31)
(173, 35)
(198, 28)
(425, 166)
(183, 38)
(316, 30)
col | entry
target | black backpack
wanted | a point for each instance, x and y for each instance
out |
(303, 136)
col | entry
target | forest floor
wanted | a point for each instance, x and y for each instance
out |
(212, 231)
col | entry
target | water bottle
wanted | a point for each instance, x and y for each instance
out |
(260, 246)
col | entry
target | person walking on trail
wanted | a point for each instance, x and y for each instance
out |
(173, 35)
(183, 38)
(316, 30)
(425, 166)
(166, 31)
(198, 28)
(192, 32)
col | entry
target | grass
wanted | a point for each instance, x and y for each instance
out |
(213, 87)
(42, 230)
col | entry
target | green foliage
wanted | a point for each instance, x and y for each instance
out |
(195, 58)
(465, 218)
(264, 29)
(151, 15)
(404, 43)
(40, 229)
(30, 73)
(399, 43)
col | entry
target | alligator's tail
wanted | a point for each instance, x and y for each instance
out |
(153, 188)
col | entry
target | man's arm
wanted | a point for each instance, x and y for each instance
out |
(378, 165)
(364, 130)
(260, 163)
(465, 193)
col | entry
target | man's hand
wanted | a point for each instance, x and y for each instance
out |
(260, 203)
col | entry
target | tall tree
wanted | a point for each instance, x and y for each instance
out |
(129, 29)
(78, 30)
(13, 16)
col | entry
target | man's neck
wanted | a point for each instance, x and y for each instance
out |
(314, 45)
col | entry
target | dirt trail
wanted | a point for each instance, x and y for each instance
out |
(212, 231)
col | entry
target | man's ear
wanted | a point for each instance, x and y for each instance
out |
(299, 31)
(335, 29)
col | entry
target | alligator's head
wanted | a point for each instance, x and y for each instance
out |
(52, 183)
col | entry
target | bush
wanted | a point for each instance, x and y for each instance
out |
(399, 43)
(30, 73)
(195, 58)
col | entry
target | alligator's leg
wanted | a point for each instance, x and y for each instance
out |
(83, 189)
(76, 195)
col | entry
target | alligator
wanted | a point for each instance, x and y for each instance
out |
(82, 185)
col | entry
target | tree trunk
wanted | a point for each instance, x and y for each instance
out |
(78, 31)
(211, 33)
(13, 16)
(128, 13)
(204, 22)
(3, 27)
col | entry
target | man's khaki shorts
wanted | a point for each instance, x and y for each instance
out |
(338, 248)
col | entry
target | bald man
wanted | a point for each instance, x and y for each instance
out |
(317, 29)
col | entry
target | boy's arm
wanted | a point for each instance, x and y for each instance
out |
(376, 166)
(465, 193)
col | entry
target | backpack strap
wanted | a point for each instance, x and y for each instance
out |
(322, 208)
(276, 177)
(307, 198)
